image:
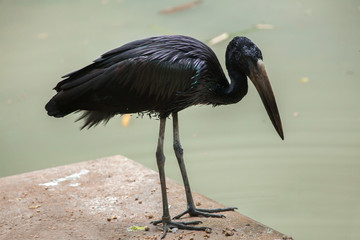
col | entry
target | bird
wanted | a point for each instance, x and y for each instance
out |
(160, 76)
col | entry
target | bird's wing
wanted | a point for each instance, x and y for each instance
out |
(140, 71)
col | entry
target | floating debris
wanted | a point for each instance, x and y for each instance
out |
(181, 7)
(126, 120)
(296, 114)
(264, 26)
(304, 80)
(219, 38)
(43, 35)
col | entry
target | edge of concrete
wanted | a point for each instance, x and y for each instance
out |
(107, 198)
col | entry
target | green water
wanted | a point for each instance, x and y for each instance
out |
(307, 186)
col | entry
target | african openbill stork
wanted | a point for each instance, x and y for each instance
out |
(161, 76)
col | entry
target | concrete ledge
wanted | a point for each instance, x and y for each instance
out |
(103, 199)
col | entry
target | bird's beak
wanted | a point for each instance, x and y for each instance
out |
(261, 81)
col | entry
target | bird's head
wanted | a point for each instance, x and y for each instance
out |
(245, 58)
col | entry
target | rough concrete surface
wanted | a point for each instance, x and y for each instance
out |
(103, 199)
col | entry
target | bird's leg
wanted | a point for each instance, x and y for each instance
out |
(191, 209)
(166, 220)
(160, 159)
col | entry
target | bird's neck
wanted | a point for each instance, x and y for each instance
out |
(237, 88)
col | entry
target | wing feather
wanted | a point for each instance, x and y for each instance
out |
(145, 75)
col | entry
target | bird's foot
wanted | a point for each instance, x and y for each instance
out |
(168, 224)
(196, 212)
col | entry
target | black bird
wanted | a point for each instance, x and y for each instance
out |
(161, 76)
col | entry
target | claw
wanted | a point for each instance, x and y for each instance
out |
(167, 224)
(195, 212)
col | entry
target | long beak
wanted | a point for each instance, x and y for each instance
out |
(261, 81)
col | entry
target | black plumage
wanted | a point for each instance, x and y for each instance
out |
(162, 76)
(157, 75)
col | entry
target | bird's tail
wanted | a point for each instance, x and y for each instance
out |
(91, 118)
(67, 99)
(54, 110)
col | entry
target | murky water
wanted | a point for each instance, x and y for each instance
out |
(306, 186)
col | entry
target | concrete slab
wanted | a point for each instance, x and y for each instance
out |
(105, 199)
